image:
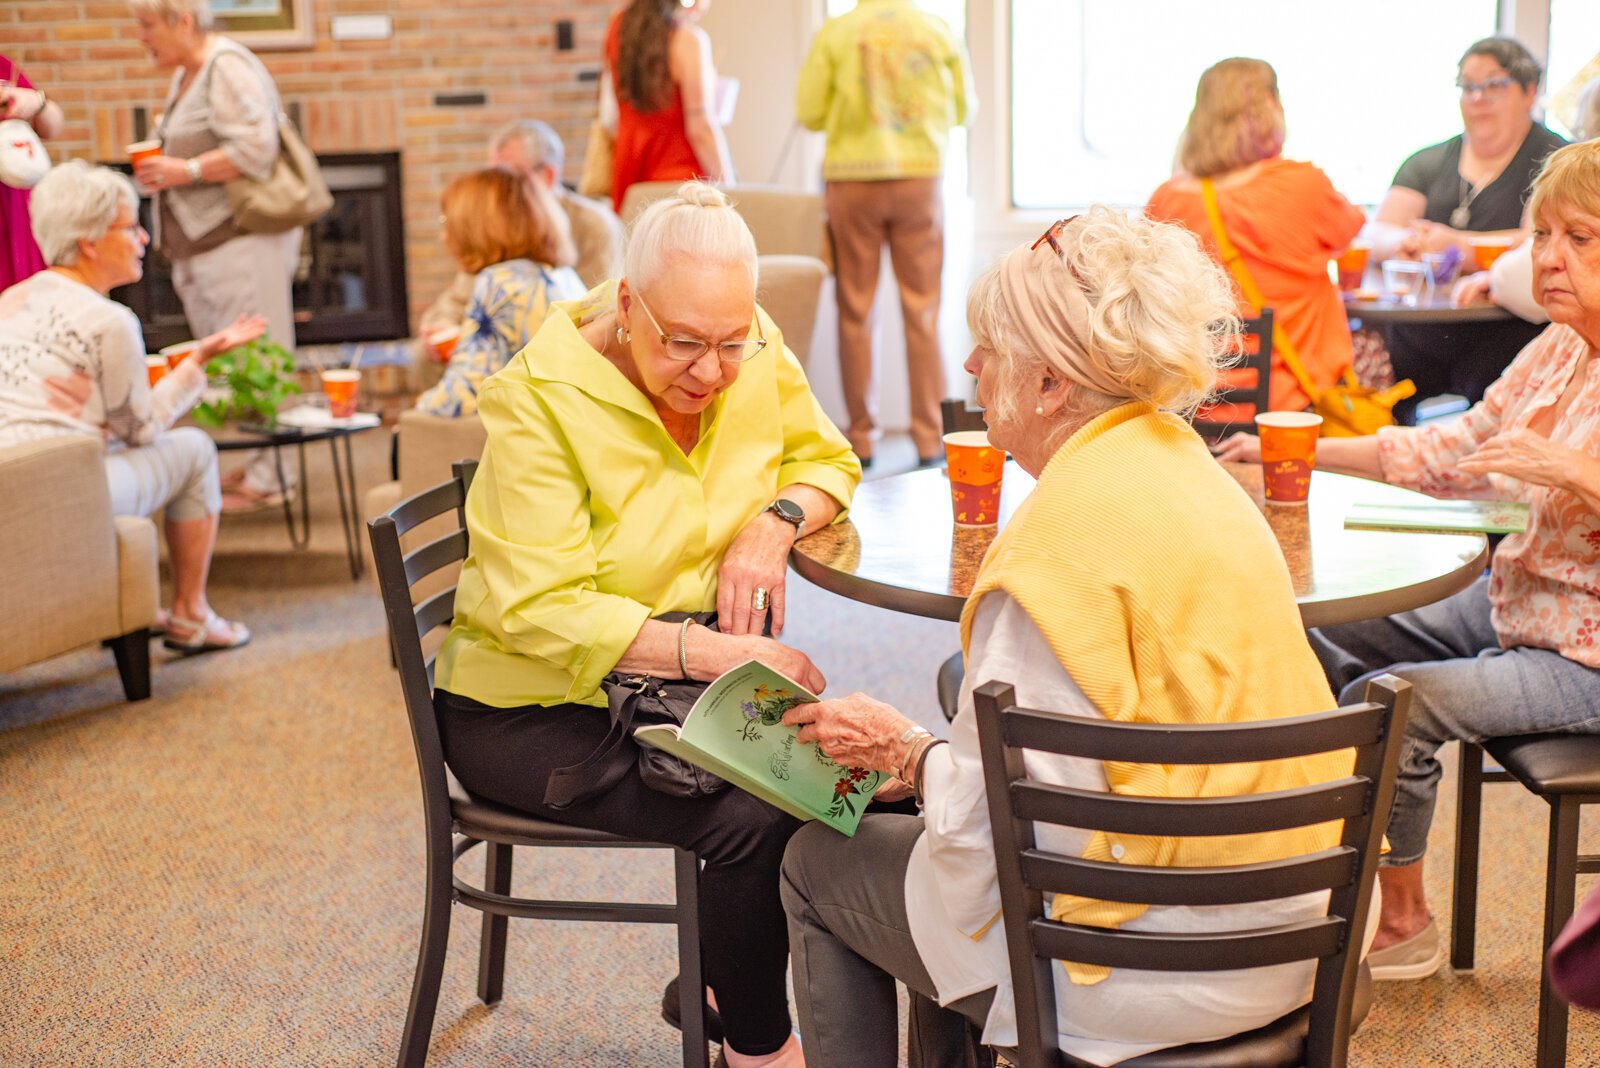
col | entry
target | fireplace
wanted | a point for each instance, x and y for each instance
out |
(350, 284)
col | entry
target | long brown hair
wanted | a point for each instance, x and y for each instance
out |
(642, 77)
(497, 214)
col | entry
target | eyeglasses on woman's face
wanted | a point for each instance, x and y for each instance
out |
(690, 349)
(1492, 89)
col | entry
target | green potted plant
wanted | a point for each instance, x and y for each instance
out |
(257, 375)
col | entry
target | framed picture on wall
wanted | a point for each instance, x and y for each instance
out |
(266, 24)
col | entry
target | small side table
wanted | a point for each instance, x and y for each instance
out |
(237, 437)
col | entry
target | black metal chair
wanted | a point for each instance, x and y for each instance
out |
(955, 415)
(455, 821)
(1315, 1035)
(1564, 770)
(1247, 383)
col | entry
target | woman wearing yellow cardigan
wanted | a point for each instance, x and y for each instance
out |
(1117, 589)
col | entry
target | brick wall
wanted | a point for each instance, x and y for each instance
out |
(353, 95)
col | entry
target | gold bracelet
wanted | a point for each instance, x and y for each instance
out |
(917, 735)
(922, 761)
(683, 648)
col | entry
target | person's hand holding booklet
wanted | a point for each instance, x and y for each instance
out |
(735, 731)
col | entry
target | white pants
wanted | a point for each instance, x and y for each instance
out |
(177, 471)
(249, 274)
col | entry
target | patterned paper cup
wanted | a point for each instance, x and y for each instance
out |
(156, 368)
(1288, 452)
(176, 354)
(975, 470)
(340, 386)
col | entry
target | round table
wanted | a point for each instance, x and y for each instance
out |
(899, 549)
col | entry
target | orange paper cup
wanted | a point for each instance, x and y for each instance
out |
(1352, 263)
(340, 386)
(176, 354)
(1485, 250)
(156, 368)
(1288, 452)
(142, 150)
(443, 343)
(975, 470)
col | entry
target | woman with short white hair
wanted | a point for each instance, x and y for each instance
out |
(654, 448)
(72, 361)
(220, 122)
(1117, 590)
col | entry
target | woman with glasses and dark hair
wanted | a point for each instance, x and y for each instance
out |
(1091, 346)
(1471, 186)
(1284, 216)
(655, 448)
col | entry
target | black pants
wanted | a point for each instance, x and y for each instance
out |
(1462, 358)
(506, 754)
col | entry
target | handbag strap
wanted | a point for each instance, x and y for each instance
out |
(1247, 285)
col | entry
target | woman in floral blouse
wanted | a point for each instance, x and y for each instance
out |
(513, 235)
(1517, 653)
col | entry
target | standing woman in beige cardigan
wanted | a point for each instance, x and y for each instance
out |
(220, 122)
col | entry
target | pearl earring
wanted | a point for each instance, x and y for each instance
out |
(1038, 409)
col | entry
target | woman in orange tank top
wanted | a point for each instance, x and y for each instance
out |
(659, 65)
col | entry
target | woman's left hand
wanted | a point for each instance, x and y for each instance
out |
(1524, 455)
(755, 560)
(243, 329)
(162, 172)
(856, 731)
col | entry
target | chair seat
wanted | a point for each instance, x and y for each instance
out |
(1280, 1044)
(1550, 763)
(488, 821)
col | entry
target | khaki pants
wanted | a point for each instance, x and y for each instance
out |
(907, 215)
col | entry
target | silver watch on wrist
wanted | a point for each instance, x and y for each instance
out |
(191, 167)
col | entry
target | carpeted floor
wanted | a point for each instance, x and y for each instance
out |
(230, 873)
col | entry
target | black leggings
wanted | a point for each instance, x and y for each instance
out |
(506, 754)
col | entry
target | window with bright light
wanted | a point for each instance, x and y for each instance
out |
(1574, 57)
(1100, 91)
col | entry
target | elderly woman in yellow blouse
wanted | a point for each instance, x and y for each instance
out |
(655, 448)
(1090, 345)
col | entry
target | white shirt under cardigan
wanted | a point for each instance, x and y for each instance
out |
(73, 362)
(952, 892)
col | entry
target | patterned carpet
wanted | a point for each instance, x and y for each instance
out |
(231, 874)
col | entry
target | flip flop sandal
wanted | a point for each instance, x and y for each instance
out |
(190, 636)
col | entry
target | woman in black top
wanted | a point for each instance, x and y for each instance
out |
(1471, 185)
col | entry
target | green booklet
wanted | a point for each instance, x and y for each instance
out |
(1446, 517)
(735, 731)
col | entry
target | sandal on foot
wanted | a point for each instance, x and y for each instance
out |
(244, 500)
(162, 623)
(671, 1011)
(204, 636)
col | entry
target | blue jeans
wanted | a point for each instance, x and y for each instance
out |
(1464, 686)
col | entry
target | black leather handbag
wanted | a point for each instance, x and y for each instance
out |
(639, 700)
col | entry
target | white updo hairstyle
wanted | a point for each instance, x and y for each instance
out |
(169, 11)
(1161, 317)
(76, 202)
(697, 223)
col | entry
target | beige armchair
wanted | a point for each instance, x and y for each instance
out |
(790, 291)
(783, 221)
(429, 444)
(71, 573)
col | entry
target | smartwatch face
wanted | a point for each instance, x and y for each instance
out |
(788, 510)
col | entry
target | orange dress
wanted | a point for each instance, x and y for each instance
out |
(651, 146)
(1287, 221)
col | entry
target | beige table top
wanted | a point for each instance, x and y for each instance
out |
(901, 550)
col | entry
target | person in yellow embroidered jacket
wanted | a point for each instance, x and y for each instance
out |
(655, 448)
(1091, 344)
(886, 82)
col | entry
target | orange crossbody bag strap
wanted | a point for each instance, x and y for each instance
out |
(1247, 285)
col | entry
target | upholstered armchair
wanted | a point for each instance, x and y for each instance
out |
(71, 573)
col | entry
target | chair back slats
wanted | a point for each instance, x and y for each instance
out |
(1190, 817)
(436, 611)
(1187, 743)
(955, 416)
(1147, 951)
(1245, 389)
(1267, 881)
(415, 511)
(444, 550)
(1027, 872)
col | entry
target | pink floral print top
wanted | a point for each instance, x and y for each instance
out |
(1544, 584)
